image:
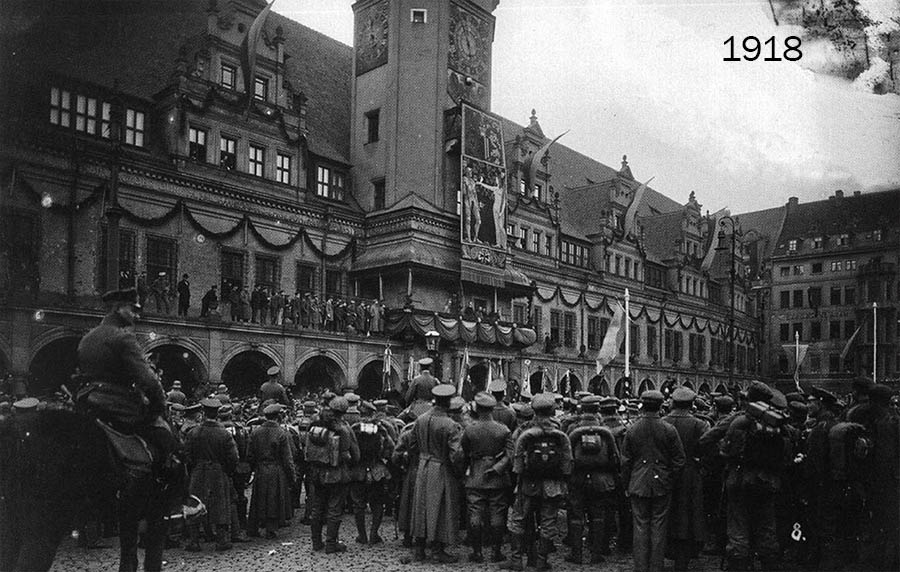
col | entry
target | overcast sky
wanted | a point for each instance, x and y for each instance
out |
(647, 79)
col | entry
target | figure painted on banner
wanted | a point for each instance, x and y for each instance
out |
(471, 206)
(498, 208)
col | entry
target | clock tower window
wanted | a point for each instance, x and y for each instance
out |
(418, 16)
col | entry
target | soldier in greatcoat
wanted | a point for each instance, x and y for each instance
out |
(436, 502)
(687, 529)
(212, 458)
(418, 396)
(269, 456)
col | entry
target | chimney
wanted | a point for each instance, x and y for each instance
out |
(839, 194)
(855, 193)
(792, 202)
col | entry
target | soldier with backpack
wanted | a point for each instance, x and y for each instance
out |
(308, 415)
(592, 487)
(370, 477)
(329, 451)
(542, 463)
(487, 478)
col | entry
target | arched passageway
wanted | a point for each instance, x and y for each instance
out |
(179, 363)
(646, 385)
(623, 388)
(317, 374)
(536, 382)
(245, 372)
(478, 375)
(688, 385)
(704, 388)
(371, 383)
(721, 389)
(568, 385)
(52, 366)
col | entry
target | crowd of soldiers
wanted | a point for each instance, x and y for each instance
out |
(759, 477)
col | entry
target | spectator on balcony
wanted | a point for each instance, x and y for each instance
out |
(306, 310)
(296, 303)
(376, 312)
(143, 290)
(362, 318)
(277, 307)
(234, 303)
(329, 314)
(245, 303)
(159, 289)
(315, 313)
(210, 301)
(184, 296)
(340, 316)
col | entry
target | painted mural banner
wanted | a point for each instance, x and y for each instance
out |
(483, 188)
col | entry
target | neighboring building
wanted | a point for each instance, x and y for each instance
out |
(832, 260)
(350, 174)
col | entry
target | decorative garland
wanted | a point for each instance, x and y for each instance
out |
(152, 221)
(95, 195)
(212, 234)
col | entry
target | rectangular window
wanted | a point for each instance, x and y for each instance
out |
(679, 345)
(835, 298)
(536, 242)
(555, 318)
(306, 278)
(228, 78)
(784, 270)
(876, 236)
(232, 271)
(372, 121)
(329, 183)
(378, 191)
(798, 270)
(798, 298)
(592, 327)
(849, 295)
(261, 88)
(197, 144)
(652, 349)
(105, 118)
(844, 240)
(628, 268)
(836, 266)
(127, 261)
(267, 272)
(814, 296)
(228, 152)
(86, 114)
(850, 265)
(256, 160)
(618, 269)
(834, 329)
(418, 16)
(523, 237)
(333, 283)
(538, 321)
(518, 313)
(834, 363)
(60, 107)
(548, 245)
(797, 328)
(815, 330)
(569, 329)
(134, 127)
(538, 192)
(785, 298)
(283, 169)
(817, 243)
(162, 260)
(784, 331)
(815, 363)
(849, 328)
(635, 333)
(792, 246)
(669, 345)
(817, 268)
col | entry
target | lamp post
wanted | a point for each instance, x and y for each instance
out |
(113, 212)
(732, 273)
(432, 345)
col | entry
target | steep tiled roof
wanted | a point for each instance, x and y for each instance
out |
(584, 186)
(660, 233)
(766, 223)
(849, 214)
(134, 46)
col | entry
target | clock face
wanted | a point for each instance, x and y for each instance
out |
(371, 37)
(469, 45)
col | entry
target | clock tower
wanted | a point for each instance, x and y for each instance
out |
(413, 61)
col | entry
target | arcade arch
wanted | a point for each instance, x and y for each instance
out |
(370, 381)
(569, 386)
(478, 375)
(318, 373)
(646, 385)
(536, 382)
(52, 365)
(245, 372)
(177, 362)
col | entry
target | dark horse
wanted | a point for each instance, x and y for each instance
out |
(55, 467)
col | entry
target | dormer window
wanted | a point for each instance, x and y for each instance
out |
(134, 127)
(261, 88)
(817, 243)
(329, 183)
(792, 245)
(60, 107)
(538, 191)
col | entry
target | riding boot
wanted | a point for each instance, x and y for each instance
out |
(223, 537)
(419, 550)
(377, 515)
(361, 528)
(440, 555)
(576, 532)
(496, 537)
(475, 533)
(332, 544)
(543, 551)
(517, 548)
(315, 528)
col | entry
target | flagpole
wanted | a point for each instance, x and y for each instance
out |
(627, 336)
(797, 360)
(875, 342)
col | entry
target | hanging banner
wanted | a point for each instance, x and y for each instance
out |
(483, 188)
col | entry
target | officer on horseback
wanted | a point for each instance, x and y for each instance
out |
(119, 386)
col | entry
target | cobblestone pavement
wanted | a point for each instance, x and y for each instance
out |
(292, 552)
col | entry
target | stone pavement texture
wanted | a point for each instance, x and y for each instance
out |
(292, 552)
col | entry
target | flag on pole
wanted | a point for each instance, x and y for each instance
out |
(533, 162)
(849, 343)
(248, 52)
(796, 353)
(612, 341)
(631, 213)
(386, 371)
(490, 377)
(463, 371)
(525, 388)
(566, 377)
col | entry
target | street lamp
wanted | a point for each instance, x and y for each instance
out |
(113, 212)
(733, 271)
